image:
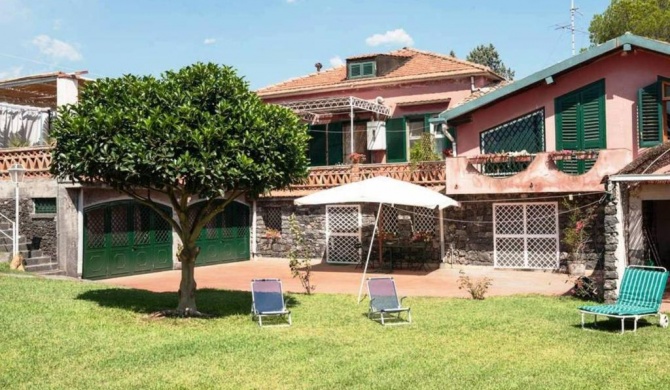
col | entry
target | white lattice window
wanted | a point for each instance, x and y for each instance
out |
(272, 218)
(343, 234)
(525, 235)
(423, 220)
(389, 219)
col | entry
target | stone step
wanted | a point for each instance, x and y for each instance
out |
(8, 241)
(37, 260)
(39, 268)
(6, 226)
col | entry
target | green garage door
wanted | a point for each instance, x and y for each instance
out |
(125, 238)
(226, 238)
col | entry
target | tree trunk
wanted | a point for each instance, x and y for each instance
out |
(187, 286)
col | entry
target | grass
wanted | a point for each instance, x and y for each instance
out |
(61, 334)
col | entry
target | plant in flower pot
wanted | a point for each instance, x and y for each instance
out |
(356, 158)
(272, 234)
(387, 236)
(577, 234)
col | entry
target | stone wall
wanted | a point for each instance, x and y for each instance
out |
(469, 229)
(610, 275)
(39, 230)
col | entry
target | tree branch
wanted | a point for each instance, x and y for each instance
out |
(199, 224)
(154, 206)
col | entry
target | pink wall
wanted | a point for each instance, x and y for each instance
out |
(623, 74)
(454, 89)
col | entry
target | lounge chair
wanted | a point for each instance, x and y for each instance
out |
(640, 296)
(268, 300)
(384, 301)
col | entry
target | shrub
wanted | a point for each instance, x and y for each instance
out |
(476, 287)
(424, 149)
(299, 262)
(586, 288)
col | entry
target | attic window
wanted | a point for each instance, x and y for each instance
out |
(362, 69)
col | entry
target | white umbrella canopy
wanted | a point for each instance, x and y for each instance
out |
(380, 189)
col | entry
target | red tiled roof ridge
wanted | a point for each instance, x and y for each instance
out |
(450, 58)
(292, 79)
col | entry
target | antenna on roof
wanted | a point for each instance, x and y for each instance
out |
(571, 26)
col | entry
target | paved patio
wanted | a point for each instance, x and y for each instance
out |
(346, 279)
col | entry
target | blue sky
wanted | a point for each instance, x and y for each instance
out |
(272, 40)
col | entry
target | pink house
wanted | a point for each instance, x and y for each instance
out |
(526, 147)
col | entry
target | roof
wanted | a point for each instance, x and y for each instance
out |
(420, 65)
(38, 90)
(626, 42)
(649, 161)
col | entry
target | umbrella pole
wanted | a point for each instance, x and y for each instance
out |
(372, 240)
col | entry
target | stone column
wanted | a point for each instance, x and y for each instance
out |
(613, 244)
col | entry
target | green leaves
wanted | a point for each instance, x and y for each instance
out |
(199, 126)
(488, 56)
(648, 18)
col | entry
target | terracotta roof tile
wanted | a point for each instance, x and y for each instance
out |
(419, 65)
(483, 91)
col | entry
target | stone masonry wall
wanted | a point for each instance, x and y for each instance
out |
(39, 230)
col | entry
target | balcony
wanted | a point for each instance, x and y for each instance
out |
(539, 173)
(429, 174)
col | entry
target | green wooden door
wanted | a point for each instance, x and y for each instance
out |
(317, 145)
(125, 238)
(226, 238)
(335, 147)
(396, 140)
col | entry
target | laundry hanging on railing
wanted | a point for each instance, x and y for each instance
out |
(22, 125)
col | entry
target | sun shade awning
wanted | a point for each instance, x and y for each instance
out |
(380, 189)
(311, 110)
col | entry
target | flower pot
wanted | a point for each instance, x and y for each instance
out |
(576, 268)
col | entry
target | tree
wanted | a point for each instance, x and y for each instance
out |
(488, 56)
(197, 134)
(649, 18)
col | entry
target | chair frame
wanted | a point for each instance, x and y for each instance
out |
(257, 315)
(623, 318)
(389, 312)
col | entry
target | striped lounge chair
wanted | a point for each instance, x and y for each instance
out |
(640, 296)
(384, 302)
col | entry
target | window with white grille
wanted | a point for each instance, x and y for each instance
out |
(272, 218)
(389, 219)
(423, 220)
(525, 235)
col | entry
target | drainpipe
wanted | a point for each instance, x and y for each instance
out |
(472, 84)
(451, 138)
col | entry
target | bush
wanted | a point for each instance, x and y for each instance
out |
(586, 288)
(301, 266)
(476, 287)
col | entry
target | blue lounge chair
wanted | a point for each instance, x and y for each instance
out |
(640, 295)
(268, 300)
(384, 301)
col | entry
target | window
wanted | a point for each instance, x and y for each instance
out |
(525, 133)
(326, 144)
(653, 104)
(423, 220)
(416, 130)
(272, 218)
(45, 205)
(396, 146)
(580, 124)
(389, 219)
(362, 69)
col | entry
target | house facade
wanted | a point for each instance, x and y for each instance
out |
(526, 148)
(365, 118)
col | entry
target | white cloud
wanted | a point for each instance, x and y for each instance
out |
(11, 73)
(336, 61)
(56, 49)
(209, 41)
(398, 36)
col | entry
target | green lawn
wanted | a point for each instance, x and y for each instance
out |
(67, 335)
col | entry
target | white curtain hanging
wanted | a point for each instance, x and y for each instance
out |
(25, 122)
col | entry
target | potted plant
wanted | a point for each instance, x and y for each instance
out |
(272, 234)
(577, 234)
(357, 158)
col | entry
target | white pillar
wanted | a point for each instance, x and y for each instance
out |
(16, 220)
(253, 231)
(441, 215)
(67, 90)
(80, 233)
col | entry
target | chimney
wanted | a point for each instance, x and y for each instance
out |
(318, 67)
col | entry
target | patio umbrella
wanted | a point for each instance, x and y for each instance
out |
(381, 190)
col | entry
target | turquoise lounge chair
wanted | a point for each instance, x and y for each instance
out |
(384, 302)
(640, 296)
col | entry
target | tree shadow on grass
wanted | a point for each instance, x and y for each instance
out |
(213, 302)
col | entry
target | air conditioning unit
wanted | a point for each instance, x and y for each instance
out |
(376, 135)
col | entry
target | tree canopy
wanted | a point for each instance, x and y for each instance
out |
(487, 55)
(190, 135)
(648, 18)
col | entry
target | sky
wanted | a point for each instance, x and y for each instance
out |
(269, 41)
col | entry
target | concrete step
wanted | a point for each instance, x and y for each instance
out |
(38, 260)
(10, 247)
(36, 253)
(42, 267)
(5, 226)
(53, 272)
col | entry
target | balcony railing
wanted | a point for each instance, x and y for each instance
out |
(429, 174)
(508, 164)
(36, 161)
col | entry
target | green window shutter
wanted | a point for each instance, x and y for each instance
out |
(567, 109)
(317, 145)
(355, 70)
(368, 69)
(396, 140)
(593, 116)
(335, 144)
(650, 115)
